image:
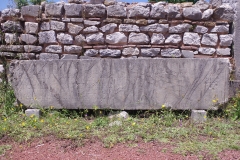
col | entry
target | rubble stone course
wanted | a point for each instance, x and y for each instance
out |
(130, 29)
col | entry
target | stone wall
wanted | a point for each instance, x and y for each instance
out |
(117, 30)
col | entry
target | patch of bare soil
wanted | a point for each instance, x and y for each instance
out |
(50, 148)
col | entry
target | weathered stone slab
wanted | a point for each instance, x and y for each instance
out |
(31, 10)
(95, 10)
(126, 84)
(53, 9)
(31, 27)
(73, 9)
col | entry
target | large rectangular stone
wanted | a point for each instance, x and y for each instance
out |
(127, 84)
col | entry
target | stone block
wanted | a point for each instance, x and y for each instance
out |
(74, 29)
(11, 48)
(53, 49)
(94, 10)
(207, 50)
(96, 38)
(91, 52)
(72, 10)
(26, 56)
(150, 52)
(200, 29)
(209, 39)
(48, 56)
(138, 38)
(191, 39)
(47, 37)
(80, 39)
(31, 11)
(226, 40)
(206, 15)
(118, 11)
(108, 28)
(130, 51)
(33, 112)
(221, 29)
(45, 26)
(192, 13)
(174, 11)
(139, 11)
(199, 116)
(155, 28)
(128, 28)
(223, 51)
(28, 38)
(78, 20)
(54, 9)
(116, 38)
(10, 13)
(57, 26)
(91, 23)
(32, 48)
(11, 38)
(173, 39)
(180, 28)
(31, 27)
(187, 54)
(224, 12)
(171, 53)
(158, 11)
(11, 26)
(73, 49)
(110, 53)
(157, 38)
(126, 84)
(92, 29)
(202, 5)
(65, 38)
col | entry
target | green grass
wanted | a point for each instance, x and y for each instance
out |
(221, 130)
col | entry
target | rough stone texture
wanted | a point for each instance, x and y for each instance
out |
(31, 27)
(78, 20)
(96, 82)
(32, 48)
(142, 22)
(47, 37)
(64, 38)
(200, 29)
(28, 38)
(112, 20)
(202, 4)
(31, 11)
(74, 29)
(53, 9)
(128, 28)
(48, 56)
(209, 39)
(10, 13)
(155, 28)
(221, 29)
(171, 53)
(80, 39)
(75, 1)
(96, 1)
(53, 49)
(139, 11)
(192, 13)
(216, 3)
(118, 11)
(226, 40)
(91, 52)
(110, 53)
(73, 9)
(45, 26)
(33, 112)
(174, 11)
(108, 28)
(158, 11)
(94, 10)
(95, 38)
(73, 49)
(11, 38)
(92, 29)
(11, 48)
(138, 38)
(130, 51)
(150, 52)
(224, 12)
(223, 51)
(180, 28)
(157, 38)
(199, 116)
(91, 23)
(11, 26)
(26, 56)
(187, 54)
(206, 50)
(57, 26)
(206, 15)
(191, 38)
(69, 56)
(173, 39)
(116, 38)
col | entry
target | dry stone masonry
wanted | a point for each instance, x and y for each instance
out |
(117, 30)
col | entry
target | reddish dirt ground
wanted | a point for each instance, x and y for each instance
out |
(50, 148)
